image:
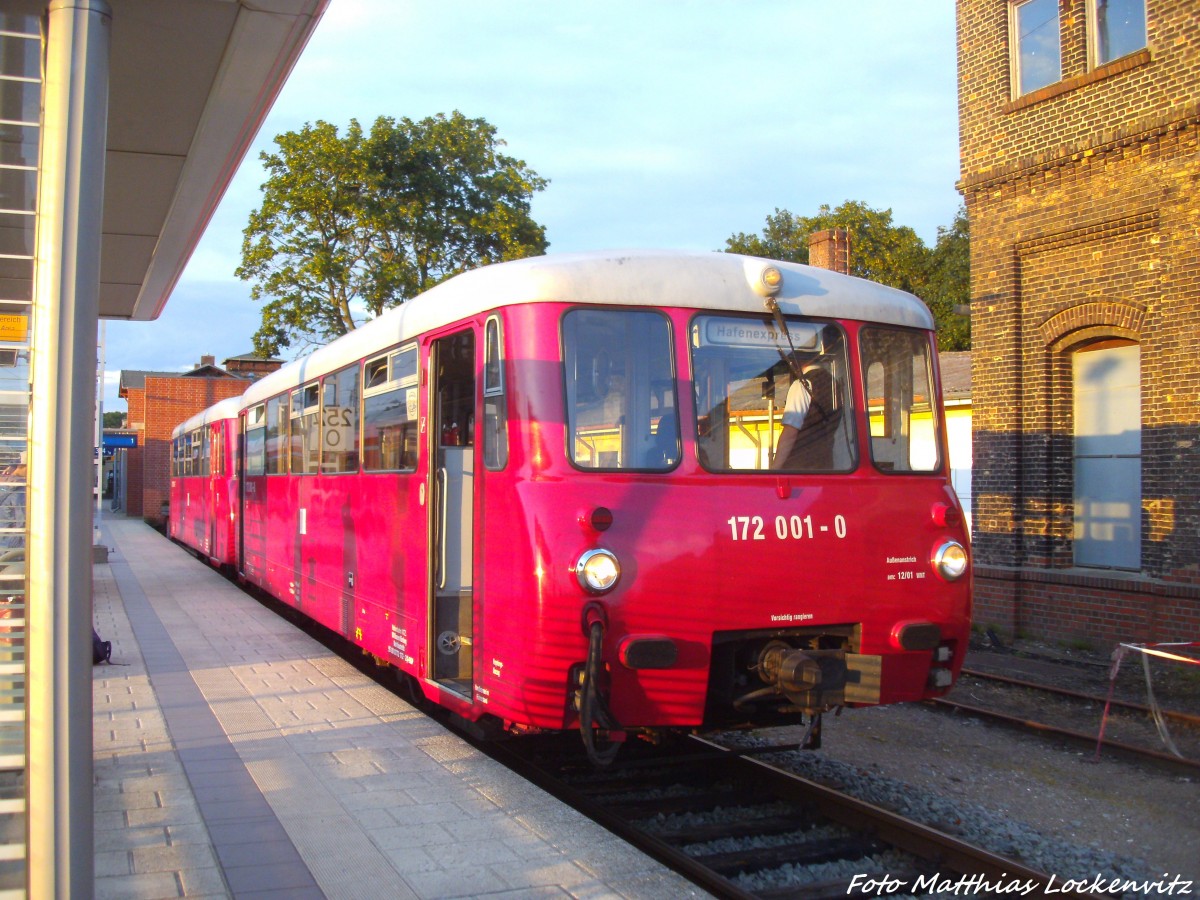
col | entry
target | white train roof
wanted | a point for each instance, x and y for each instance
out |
(658, 278)
(225, 409)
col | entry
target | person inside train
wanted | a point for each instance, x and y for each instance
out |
(665, 450)
(810, 418)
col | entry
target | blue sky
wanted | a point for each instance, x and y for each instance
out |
(659, 123)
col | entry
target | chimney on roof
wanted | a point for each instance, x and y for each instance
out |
(830, 249)
(207, 361)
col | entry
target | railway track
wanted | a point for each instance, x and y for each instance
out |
(1076, 717)
(733, 824)
(742, 828)
(738, 826)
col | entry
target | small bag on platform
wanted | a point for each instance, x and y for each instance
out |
(101, 650)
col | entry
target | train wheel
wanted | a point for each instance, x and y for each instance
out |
(409, 688)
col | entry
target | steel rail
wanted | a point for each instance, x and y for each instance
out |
(906, 834)
(1090, 739)
(952, 856)
(915, 838)
(673, 858)
(1188, 718)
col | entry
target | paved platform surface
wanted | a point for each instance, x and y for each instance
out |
(236, 757)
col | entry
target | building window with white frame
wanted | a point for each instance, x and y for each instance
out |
(1116, 28)
(1035, 43)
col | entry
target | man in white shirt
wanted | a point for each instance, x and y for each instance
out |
(810, 420)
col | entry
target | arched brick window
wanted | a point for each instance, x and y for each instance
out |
(1096, 401)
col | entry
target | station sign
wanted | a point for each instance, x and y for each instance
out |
(14, 327)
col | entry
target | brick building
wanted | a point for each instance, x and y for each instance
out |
(1079, 122)
(157, 402)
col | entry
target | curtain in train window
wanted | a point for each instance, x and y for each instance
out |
(621, 396)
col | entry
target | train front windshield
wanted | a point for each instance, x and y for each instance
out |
(752, 380)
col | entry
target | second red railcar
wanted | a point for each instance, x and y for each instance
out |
(204, 501)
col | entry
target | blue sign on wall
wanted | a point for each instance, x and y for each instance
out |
(113, 441)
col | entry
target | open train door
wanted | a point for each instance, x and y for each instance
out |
(452, 453)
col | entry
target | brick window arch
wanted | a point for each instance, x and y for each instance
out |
(1088, 321)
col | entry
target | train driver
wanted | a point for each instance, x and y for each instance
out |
(810, 418)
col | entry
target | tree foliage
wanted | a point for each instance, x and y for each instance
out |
(353, 224)
(947, 288)
(884, 252)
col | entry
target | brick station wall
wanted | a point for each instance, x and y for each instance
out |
(1084, 203)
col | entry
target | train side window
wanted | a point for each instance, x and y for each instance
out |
(205, 450)
(306, 430)
(375, 373)
(621, 397)
(277, 435)
(339, 421)
(389, 417)
(218, 453)
(495, 403)
(256, 440)
(194, 453)
(901, 400)
(404, 366)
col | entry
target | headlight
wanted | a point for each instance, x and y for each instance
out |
(598, 571)
(950, 560)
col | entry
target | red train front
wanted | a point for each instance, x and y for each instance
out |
(565, 489)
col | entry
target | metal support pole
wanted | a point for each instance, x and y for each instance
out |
(62, 409)
(99, 432)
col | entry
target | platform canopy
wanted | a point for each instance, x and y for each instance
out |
(190, 83)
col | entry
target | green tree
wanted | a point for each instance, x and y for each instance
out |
(880, 251)
(114, 419)
(352, 225)
(948, 284)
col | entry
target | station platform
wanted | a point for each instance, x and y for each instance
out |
(236, 757)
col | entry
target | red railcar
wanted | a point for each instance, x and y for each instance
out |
(204, 483)
(549, 492)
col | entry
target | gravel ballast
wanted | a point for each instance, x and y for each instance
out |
(1019, 795)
